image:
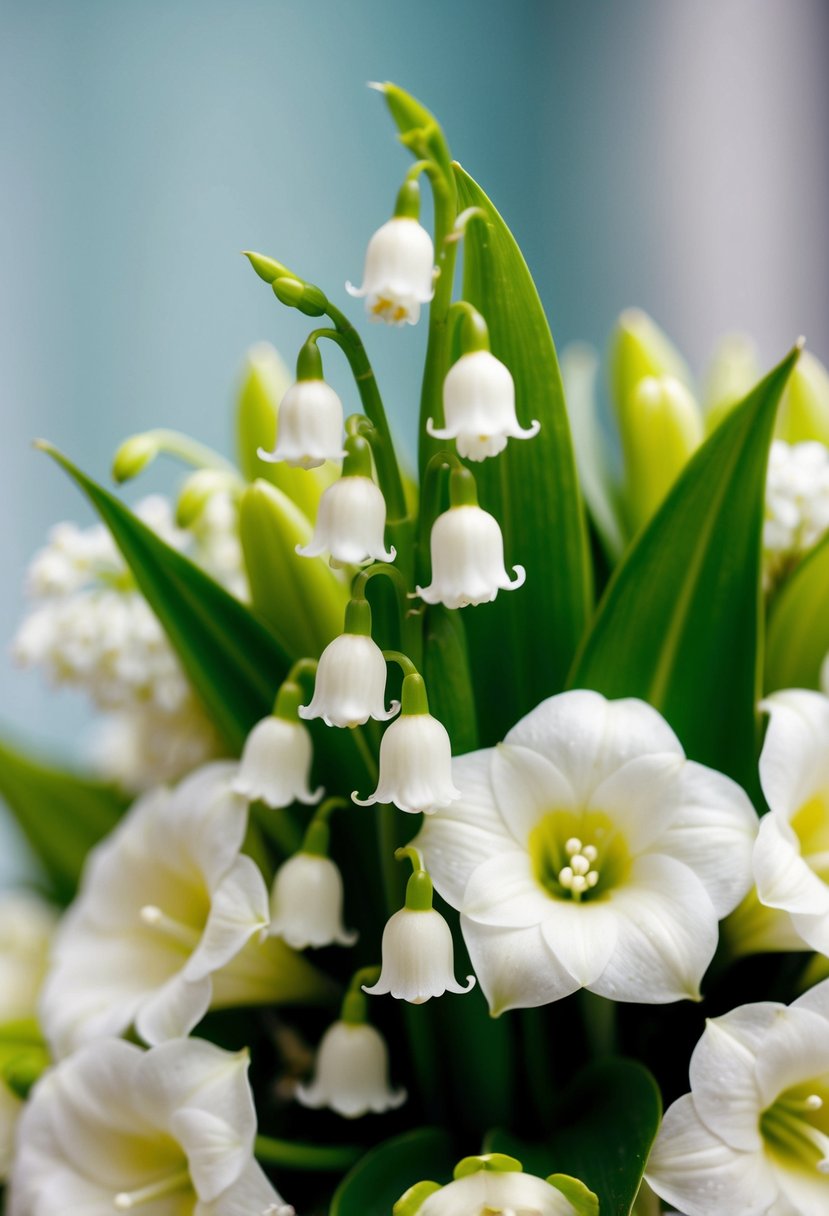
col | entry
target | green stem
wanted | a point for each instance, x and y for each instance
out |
(333, 1158)
(278, 826)
(175, 443)
(599, 1024)
(437, 349)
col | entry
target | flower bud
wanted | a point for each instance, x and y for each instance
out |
(804, 406)
(479, 407)
(352, 1073)
(133, 456)
(496, 1183)
(351, 676)
(351, 520)
(639, 348)
(734, 370)
(660, 431)
(399, 269)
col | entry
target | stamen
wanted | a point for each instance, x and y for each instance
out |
(572, 846)
(126, 1200)
(185, 935)
(785, 1122)
(578, 877)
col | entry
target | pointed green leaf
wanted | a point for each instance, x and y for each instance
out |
(522, 645)
(449, 679)
(234, 664)
(61, 814)
(419, 130)
(606, 1124)
(385, 1173)
(798, 626)
(679, 625)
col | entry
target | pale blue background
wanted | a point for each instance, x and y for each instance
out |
(667, 153)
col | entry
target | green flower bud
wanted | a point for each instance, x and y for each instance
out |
(493, 1163)
(266, 267)
(639, 348)
(133, 456)
(197, 490)
(283, 584)
(804, 407)
(414, 1199)
(661, 429)
(298, 294)
(734, 371)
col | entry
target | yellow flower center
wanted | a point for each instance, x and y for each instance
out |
(795, 1127)
(811, 826)
(578, 856)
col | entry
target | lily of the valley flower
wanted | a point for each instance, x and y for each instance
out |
(797, 505)
(276, 760)
(351, 519)
(415, 758)
(418, 953)
(167, 924)
(479, 407)
(489, 1186)
(791, 857)
(400, 264)
(587, 852)
(310, 418)
(351, 1075)
(753, 1135)
(350, 686)
(307, 894)
(467, 551)
(116, 1129)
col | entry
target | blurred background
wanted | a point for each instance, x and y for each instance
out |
(672, 156)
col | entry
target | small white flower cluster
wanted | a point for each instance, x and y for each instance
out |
(797, 505)
(91, 629)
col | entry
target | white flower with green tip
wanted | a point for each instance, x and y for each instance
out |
(399, 269)
(495, 1185)
(479, 407)
(587, 852)
(752, 1136)
(168, 1131)
(167, 924)
(307, 893)
(351, 518)
(276, 760)
(350, 686)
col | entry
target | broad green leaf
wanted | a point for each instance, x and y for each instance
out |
(679, 625)
(386, 1172)
(448, 677)
(62, 815)
(522, 645)
(798, 625)
(607, 1122)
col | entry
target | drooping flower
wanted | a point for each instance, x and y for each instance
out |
(310, 426)
(467, 551)
(418, 953)
(350, 686)
(351, 1074)
(752, 1136)
(479, 407)
(400, 264)
(791, 856)
(351, 519)
(169, 1131)
(490, 1185)
(167, 924)
(797, 505)
(276, 760)
(415, 771)
(587, 852)
(307, 893)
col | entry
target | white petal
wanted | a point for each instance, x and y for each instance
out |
(527, 787)
(587, 737)
(795, 1050)
(582, 936)
(504, 892)
(238, 909)
(640, 797)
(802, 1192)
(784, 879)
(700, 1175)
(515, 967)
(667, 934)
(458, 837)
(174, 1010)
(250, 1195)
(794, 763)
(816, 999)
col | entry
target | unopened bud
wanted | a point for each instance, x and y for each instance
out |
(804, 407)
(661, 429)
(133, 456)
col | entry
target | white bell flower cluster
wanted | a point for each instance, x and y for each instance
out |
(91, 629)
(797, 505)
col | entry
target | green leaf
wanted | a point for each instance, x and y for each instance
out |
(448, 677)
(679, 625)
(386, 1172)
(607, 1122)
(522, 645)
(798, 625)
(419, 130)
(585, 1201)
(233, 663)
(62, 815)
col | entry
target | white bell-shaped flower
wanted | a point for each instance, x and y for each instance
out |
(351, 518)
(418, 954)
(166, 1131)
(491, 1185)
(415, 758)
(276, 759)
(400, 265)
(351, 1075)
(467, 552)
(307, 893)
(479, 407)
(310, 418)
(350, 686)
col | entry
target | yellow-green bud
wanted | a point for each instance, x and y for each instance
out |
(661, 430)
(734, 370)
(197, 490)
(804, 407)
(133, 455)
(639, 348)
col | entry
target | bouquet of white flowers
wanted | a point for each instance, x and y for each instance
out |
(446, 826)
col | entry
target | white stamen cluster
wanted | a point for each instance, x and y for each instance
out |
(579, 876)
(797, 505)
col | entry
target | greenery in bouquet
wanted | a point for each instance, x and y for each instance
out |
(445, 827)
